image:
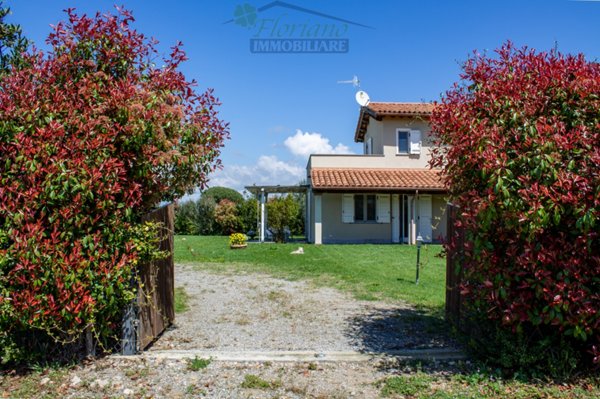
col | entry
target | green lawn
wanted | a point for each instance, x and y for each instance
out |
(368, 271)
(477, 385)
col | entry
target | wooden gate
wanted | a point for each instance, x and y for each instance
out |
(453, 270)
(154, 309)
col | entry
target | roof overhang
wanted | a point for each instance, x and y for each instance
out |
(379, 110)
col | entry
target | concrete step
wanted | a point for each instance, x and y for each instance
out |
(303, 356)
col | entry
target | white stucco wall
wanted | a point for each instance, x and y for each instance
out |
(384, 148)
(334, 231)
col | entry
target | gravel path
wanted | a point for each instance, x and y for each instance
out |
(252, 312)
(157, 378)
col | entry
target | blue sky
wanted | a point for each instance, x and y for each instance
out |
(283, 106)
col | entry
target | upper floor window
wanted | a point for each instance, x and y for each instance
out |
(403, 141)
(408, 141)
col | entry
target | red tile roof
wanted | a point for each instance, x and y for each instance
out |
(401, 108)
(378, 110)
(376, 179)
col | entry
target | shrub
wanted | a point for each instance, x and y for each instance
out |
(520, 153)
(186, 218)
(237, 239)
(93, 136)
(226, 217)
(248, 212)
(282, 213)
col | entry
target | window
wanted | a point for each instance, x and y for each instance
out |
(402, 138)
(369, 146)
(408, 141)
(362, 208)
(371, 208)
(365, 208)
(359, 208)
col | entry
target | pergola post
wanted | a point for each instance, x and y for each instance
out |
(261, 193)
(263, 200)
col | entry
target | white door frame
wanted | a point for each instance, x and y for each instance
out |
(425, 218)
(396, 218)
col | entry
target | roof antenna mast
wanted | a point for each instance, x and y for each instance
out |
(355, 82)
(362, 98)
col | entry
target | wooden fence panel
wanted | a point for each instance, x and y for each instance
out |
(156, 296)
(453, 273)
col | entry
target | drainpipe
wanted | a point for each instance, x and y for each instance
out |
(415, 217)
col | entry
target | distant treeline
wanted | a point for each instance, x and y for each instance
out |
(222, 211)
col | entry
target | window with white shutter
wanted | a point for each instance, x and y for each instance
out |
(348, 208)
(383, 208)
(415, 142)
(366, 208)
(402, 141)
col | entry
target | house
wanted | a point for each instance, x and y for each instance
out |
(388, 194)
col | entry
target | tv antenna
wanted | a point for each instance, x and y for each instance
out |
(355, 82)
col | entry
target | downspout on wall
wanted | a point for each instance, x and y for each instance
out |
(415, 218)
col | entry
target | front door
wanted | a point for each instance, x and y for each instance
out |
(424, 218)
(405, 218)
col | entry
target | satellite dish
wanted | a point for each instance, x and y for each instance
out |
(362, 98)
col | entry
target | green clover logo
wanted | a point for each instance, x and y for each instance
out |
(245, 15)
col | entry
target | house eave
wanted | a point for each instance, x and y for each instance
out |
(380, 189)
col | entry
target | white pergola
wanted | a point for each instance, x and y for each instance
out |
(262, 194)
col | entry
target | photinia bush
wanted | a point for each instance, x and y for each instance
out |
(92, 136)
(226, 217)
(519, 146)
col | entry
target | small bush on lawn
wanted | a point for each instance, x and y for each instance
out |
(520, 153)
(237, 239)
(93, 136)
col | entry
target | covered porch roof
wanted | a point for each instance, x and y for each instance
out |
(376, 179)
(257, 190)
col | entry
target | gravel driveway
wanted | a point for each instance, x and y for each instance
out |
(251, 312)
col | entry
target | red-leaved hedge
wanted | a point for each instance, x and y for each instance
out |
(520, 151)
(92, 136)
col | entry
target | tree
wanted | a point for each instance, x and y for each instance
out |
(298, 225)
(282, 212)
(186, 217)
(206, 216)
(12, 43)
(519, 147)
(221, 193)
(226, 217)
(248, 214)
(93, 136)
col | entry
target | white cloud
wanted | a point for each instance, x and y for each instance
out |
(268, 170)
(304, 143)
